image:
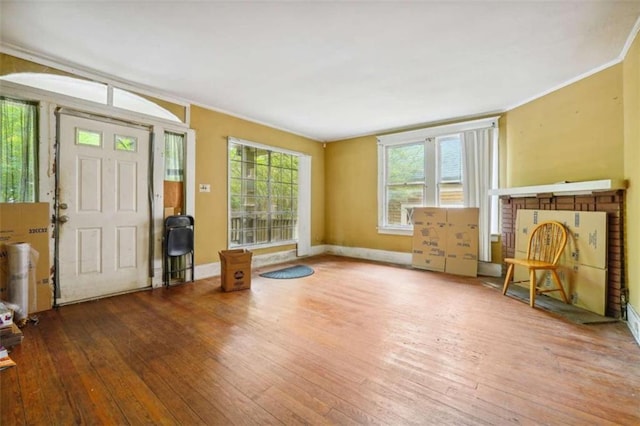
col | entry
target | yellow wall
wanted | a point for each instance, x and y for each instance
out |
(212, 129)
(572, 134)
(352, 197)
(631, 78)
(10, 64)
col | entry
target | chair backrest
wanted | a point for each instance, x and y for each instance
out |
(547, 241)
(178, 220)
(179, 241)
(178, 235)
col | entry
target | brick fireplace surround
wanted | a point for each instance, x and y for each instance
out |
(611, 202)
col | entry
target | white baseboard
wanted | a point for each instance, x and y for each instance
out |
(207, 270)
(487, 269)
(399, 258)
(484, 268)
(371, 254)
(633, 322)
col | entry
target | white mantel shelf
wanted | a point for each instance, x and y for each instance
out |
(570, 188)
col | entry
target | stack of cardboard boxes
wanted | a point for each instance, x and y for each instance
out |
(446, 240)
(583, 270)
(27, 223)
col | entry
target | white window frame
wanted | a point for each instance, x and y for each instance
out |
(303, 239)
(432, 167)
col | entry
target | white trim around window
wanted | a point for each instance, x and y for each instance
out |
(421, 136)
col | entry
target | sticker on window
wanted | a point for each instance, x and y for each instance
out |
(126, 143)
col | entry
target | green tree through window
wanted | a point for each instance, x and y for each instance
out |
(263, 189)
(18, 154)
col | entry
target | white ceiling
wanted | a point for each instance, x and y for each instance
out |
(330, 70)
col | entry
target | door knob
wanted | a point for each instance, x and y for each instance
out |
(63, 206)
(63, 219)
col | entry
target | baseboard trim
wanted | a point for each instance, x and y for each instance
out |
(399, 258)
(633, 322)
(371, 254)
(487, 269)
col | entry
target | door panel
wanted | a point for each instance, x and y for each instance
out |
(103, 244)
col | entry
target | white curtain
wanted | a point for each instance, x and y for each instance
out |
(174, 157)
(478, 178)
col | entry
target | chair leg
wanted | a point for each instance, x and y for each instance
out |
(532, 287)
(193, 267)
(507, 279)
(165, 279)
(556, 278)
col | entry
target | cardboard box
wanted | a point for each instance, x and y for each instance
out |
(446, 240)
(429, 238)
(425, 216)
(462, 233)
(6, 316)
(464, 267)
(587, 240)
(28, 223)
(423, 260)
(588, 288)
(235, 269)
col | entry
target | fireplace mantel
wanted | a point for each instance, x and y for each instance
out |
(559, 189)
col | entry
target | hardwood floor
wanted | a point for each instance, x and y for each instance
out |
(355, 343)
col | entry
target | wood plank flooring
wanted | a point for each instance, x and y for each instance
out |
(356, 343)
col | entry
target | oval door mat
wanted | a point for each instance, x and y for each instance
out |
(297, 271)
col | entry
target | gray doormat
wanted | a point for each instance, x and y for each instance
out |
(297, 271)
(570, 312)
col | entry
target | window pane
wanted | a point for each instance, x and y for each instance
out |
(405, 163)
(450, 156)
(126, 143)
(262, 188)
(276, 174)
(262, 172)
(236, 203)
(88, 137)
(18, 150)
(235, 152)
(450, 195)
(262, 156)
(236, 169)
(400, 200)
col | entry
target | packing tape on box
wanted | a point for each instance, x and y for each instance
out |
(21, 266)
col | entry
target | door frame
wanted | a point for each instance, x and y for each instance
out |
(48, 103)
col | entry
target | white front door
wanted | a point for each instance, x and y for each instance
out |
(103, 208)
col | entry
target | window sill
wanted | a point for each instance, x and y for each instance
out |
(264, 245)
(388, 230)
